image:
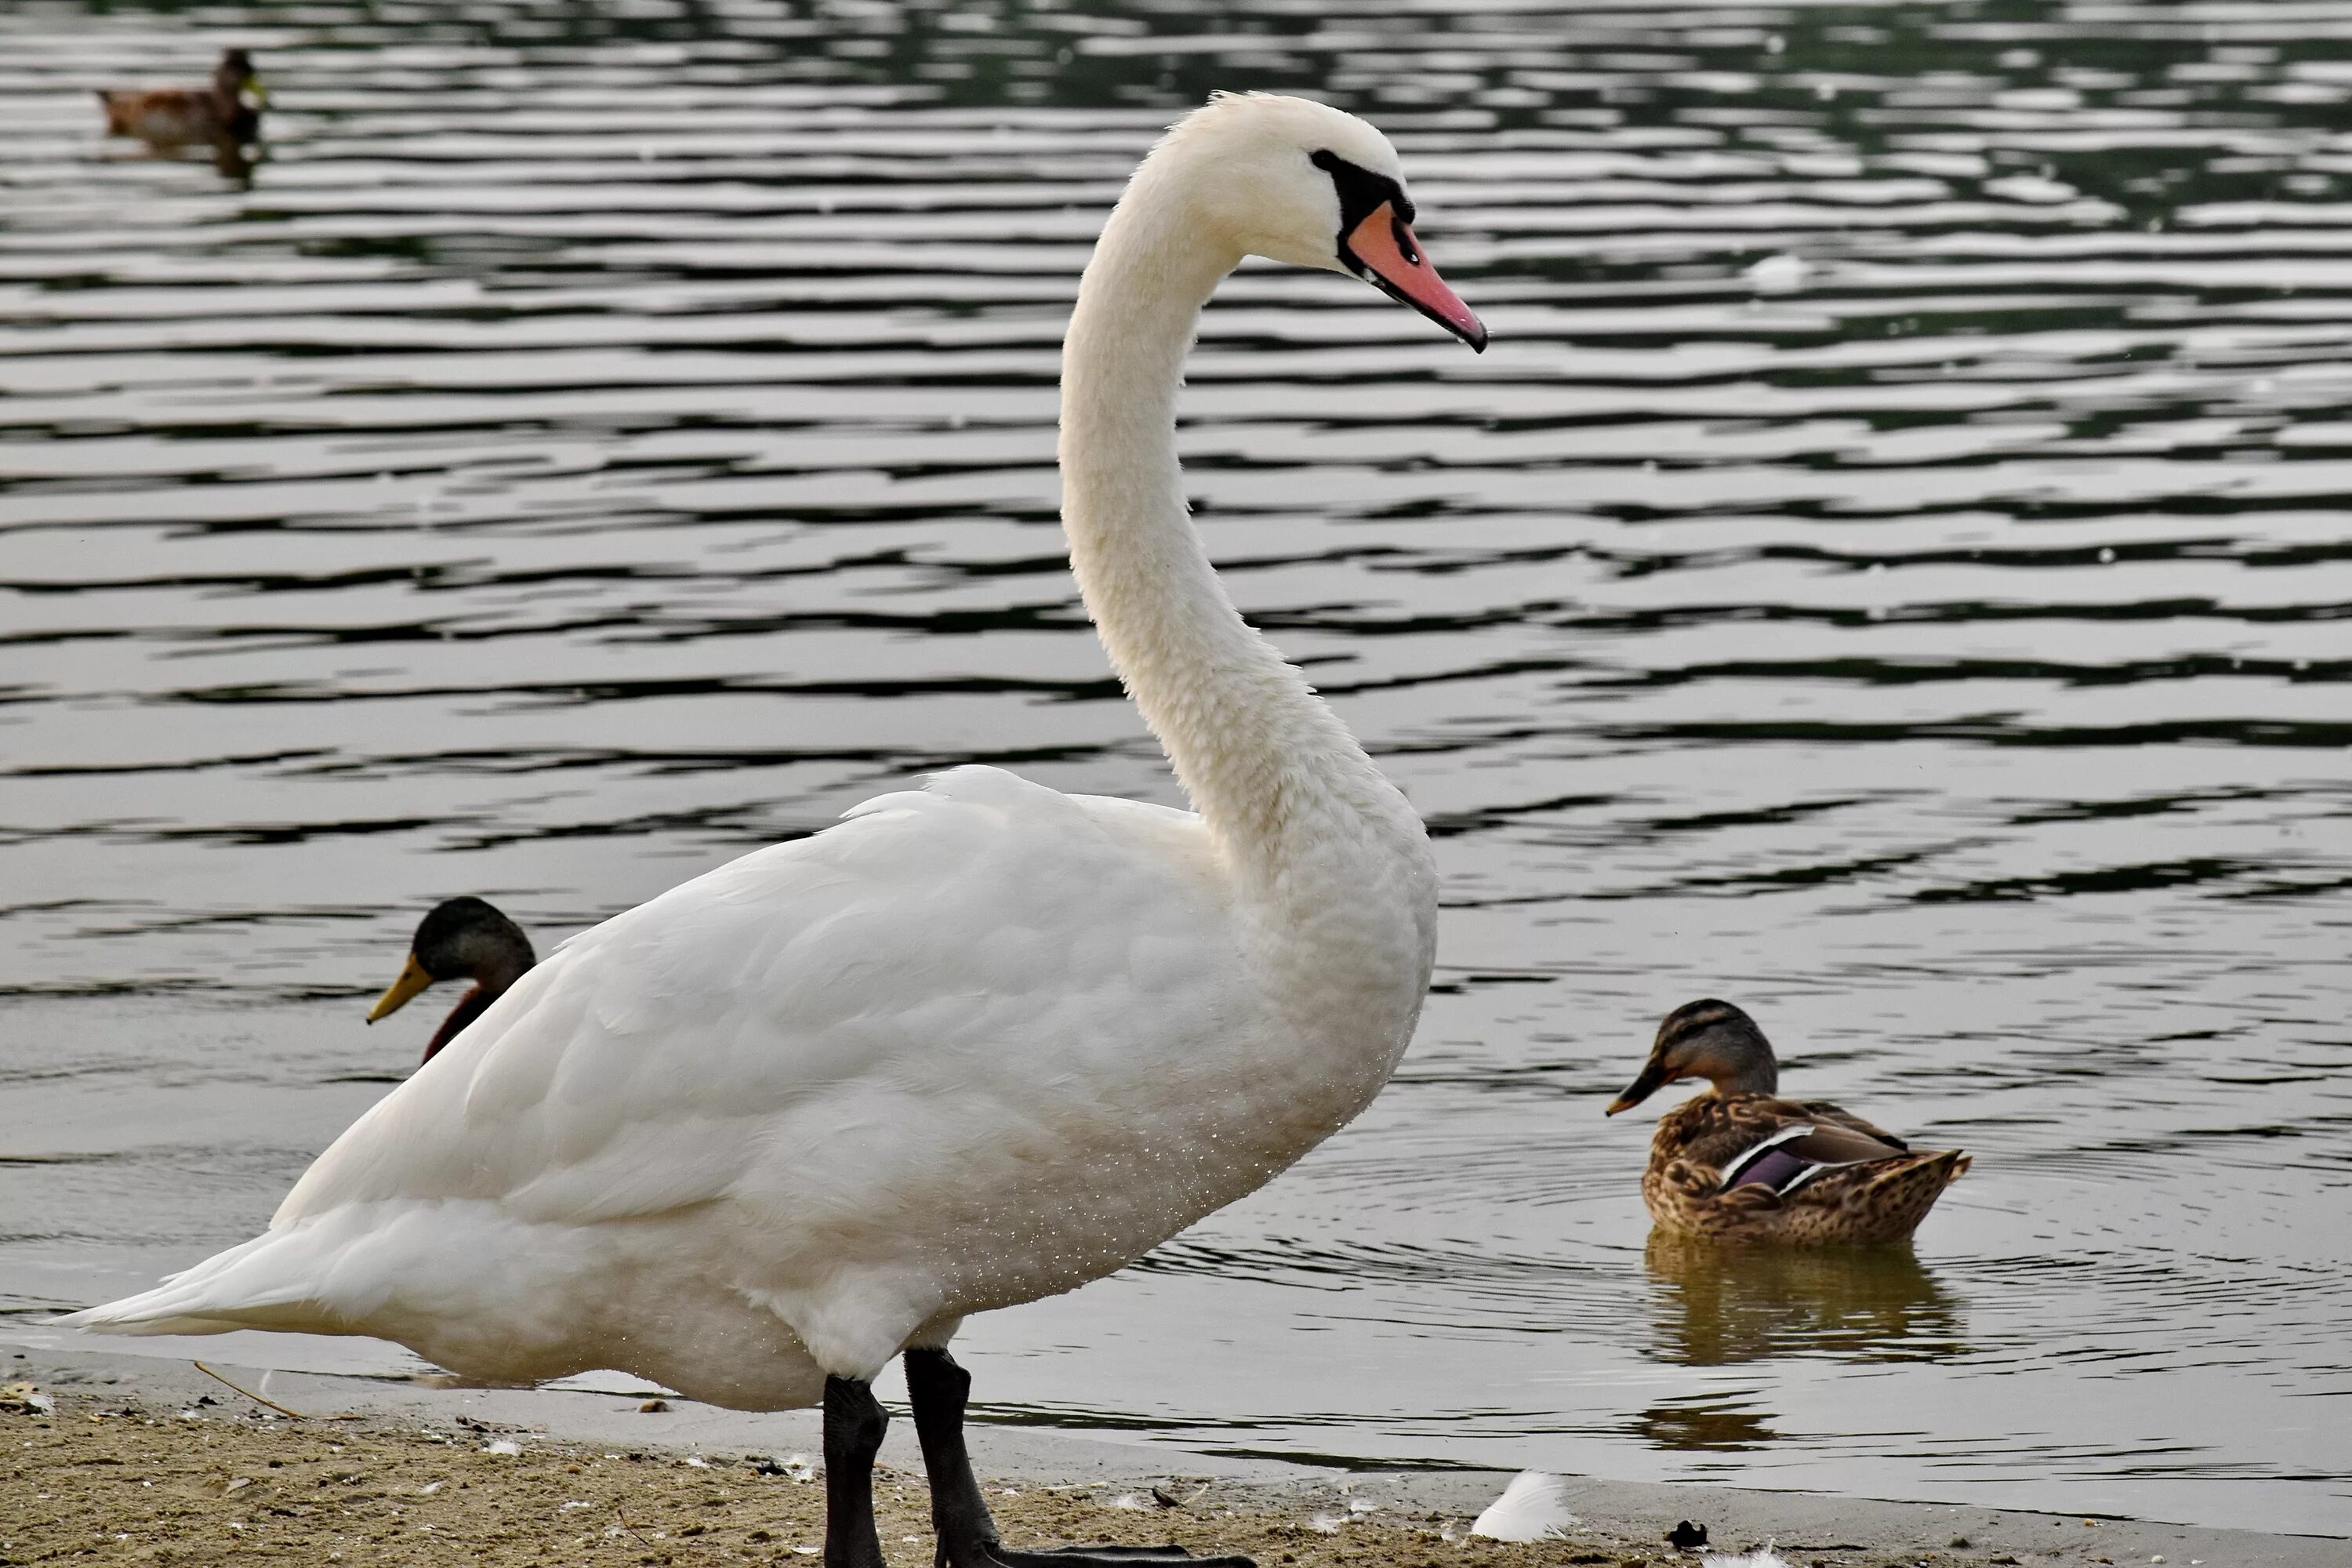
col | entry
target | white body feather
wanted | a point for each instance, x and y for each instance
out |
(974, 1045)
(1534, 1506)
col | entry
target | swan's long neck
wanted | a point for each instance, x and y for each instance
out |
(1270, 768)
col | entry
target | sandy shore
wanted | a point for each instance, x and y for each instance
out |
(145, 1460)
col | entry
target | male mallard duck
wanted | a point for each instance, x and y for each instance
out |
(1744, 1165)
(176, 116)
(464, 939)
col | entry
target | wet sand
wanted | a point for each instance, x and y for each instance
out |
(145, 1460)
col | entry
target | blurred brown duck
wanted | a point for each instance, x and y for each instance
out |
(1743, 1164)
(464, 939)
(176, 116)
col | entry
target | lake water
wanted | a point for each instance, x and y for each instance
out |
(599, 439)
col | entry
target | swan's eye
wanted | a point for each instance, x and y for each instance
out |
(1361, 192)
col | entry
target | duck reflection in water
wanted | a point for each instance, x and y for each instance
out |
(1706, 1423)
(1718, 1304)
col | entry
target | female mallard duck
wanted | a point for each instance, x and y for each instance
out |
(1743, 1164)
(177, 116)
(464, 939)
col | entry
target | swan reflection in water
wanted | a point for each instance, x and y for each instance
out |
(1719, 1305)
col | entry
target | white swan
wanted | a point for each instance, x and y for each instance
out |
(975, 1045)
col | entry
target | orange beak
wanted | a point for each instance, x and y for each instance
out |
(1383, 251)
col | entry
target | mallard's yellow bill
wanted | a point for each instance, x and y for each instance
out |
(412, 980)
(260, 94)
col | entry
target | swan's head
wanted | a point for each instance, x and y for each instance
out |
(1300, 181)
(1710, 1039)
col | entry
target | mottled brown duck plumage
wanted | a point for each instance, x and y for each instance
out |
(1739, 1162)
(174, 116)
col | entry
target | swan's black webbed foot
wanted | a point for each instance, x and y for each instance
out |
(937, 1388)
(854, 1424)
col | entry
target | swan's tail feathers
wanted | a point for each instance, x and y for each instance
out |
(263, 1284)
(1534, 1506)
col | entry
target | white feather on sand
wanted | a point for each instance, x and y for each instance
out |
(1534, 1506)
(1762, 1557)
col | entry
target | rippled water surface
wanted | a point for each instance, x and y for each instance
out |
(599, 438)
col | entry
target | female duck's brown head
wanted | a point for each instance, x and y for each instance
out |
(1710, 1039)
(464, 939)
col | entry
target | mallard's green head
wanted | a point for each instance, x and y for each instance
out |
(234, 78)
(464, 939)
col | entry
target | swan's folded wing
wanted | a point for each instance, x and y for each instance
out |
(974, 952)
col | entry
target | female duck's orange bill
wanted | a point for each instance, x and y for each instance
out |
(1386, 255)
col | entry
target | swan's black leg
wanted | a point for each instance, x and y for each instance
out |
(853, 1424)
(936, 1387)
